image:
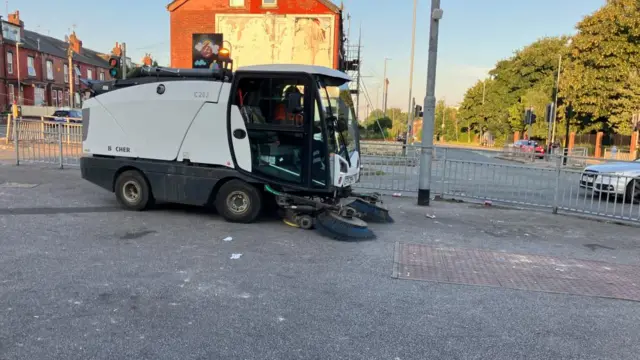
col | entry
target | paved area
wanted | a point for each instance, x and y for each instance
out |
(82, 279)
(517, 271)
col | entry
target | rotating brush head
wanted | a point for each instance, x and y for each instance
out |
(371, 212)
(340, 228)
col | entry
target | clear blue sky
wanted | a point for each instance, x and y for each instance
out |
(474, 34)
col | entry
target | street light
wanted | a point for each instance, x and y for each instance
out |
(18, 44)
(555, 100)
(411, 111)
(385, 87)
(424, 187)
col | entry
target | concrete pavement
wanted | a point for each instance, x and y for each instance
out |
(79, 278)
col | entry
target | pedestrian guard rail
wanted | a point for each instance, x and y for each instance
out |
(556, 181)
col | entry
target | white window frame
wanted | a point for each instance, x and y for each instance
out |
(90, 74)
(66, 98)
(101, 75)
(66, 73)
(49, 64)
(9, 62)
(76, 78)
(54, 97)
(31, 66)
(269, 3)
(236, 3)
(12, 94)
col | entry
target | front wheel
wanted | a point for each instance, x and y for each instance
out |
(633, 192)
(239, 201)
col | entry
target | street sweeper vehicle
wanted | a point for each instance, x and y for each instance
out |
(284, 135)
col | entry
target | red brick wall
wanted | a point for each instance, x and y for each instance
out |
(198, 16)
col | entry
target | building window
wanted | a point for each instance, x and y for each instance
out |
(54, 98)
(236, 3)
(77, 100)
(66, 73)
(10, 62)
(269, 3)
(31, 66)
(76, 74)
(38, 98)
(66, 98)
(101, 75)
(49, 70)
(89, 74)
(12, 94)
(60, 98)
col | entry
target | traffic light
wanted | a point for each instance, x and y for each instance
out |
(529, 117)
(114, 66)
(418, 111)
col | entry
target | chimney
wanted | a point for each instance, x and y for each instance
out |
(14, 19)
(75, 43)
(147, 60)
(117, 50)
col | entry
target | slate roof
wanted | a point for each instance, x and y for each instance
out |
(58, 48)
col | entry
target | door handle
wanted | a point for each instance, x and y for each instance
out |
(239, 134)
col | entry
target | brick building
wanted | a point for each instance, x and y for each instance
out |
(44, 66)
(257, 31)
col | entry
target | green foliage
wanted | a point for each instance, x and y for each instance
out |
(154, 63)
(601, 79)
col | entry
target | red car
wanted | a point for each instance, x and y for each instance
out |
(530, 146)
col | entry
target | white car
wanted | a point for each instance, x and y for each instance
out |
(618, 178)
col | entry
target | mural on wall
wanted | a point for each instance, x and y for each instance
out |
(278, 39)
(205, 49)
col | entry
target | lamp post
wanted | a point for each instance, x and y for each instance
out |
(410, 112)
(555, 100)
(18, 44)
(426, 156)
(385, 87)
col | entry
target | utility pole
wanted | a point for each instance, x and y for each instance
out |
(411, 110)
(71, 71)
(424, 188)
(385, 87)
(124, 60)
(555, 102)
(18, 44)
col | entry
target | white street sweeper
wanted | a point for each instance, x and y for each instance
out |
(234, 140)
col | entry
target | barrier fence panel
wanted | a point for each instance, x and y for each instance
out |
(47, 142)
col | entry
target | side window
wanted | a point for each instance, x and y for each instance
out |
(274, 113)
(271, 101)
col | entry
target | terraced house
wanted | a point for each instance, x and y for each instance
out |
(35, 68)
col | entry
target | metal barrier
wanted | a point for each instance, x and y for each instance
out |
(47, 142)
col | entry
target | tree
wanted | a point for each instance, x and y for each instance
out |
(602, 81)
(154, 63)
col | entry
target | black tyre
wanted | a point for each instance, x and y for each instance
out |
(239, 201)
(132, 191)
(633, 192)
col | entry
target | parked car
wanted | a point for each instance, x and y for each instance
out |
(530, 146)
(616, 178)
(61, 115)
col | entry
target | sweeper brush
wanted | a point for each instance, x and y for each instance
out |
(337, 227)
(371, 212)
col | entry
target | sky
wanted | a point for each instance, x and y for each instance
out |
(474, 35)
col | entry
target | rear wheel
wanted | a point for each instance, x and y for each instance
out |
(133, 191)
(239, 201)
(633, 192)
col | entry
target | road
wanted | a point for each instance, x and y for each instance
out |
(82, 279)
(484, 175)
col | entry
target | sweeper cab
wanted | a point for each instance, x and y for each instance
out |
(234, 140)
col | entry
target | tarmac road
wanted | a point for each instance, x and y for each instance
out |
(82, 279)
(483, 175)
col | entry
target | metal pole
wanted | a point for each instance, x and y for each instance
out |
(124, 60)
(359, 79)
(71, 71)
(385, 88)
(555, 101)
(18, 63)
(424, 189)
(413, 46)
